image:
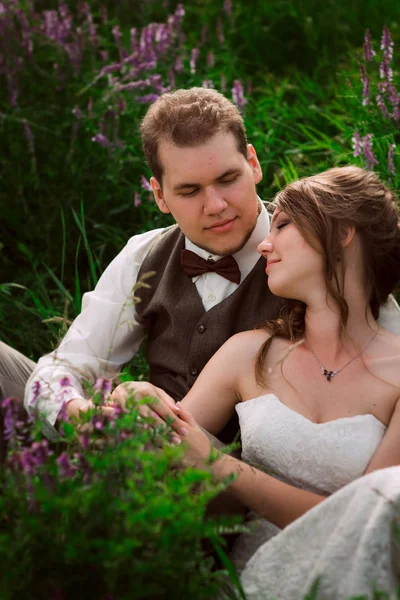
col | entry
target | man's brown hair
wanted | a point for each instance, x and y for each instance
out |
(189, 118)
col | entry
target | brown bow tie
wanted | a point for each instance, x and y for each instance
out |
(194, 265)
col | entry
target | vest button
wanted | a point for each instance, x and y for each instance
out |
(194, 371)
(201, 328)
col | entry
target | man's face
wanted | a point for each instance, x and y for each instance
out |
(210, 190)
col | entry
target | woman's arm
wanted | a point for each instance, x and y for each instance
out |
(212, 399)
(388, 451)
(278, 502)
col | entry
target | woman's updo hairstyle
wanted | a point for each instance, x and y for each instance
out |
(323, 207)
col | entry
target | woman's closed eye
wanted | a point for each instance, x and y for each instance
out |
(282, 224)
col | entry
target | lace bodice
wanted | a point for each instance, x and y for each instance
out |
(318, 457)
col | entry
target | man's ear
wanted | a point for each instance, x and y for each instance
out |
(158, 195)
(254, 163)
(347, 236)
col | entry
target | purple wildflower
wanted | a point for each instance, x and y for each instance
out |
(110, 69)
(365, 82)
(8, 420)
(65, 382)
(103, 387)
(387, 46)
(193, 59)
(357, 144)
(228, 7)
(134, 85)
(210, 59)
(29, 137)
(133, 33)
(370, 159)
(66, 470)
(208, 84)
(237, 94)
(35, 392)
(394, 99)
(220, 31)
(382, 87)
(178, 64)
(145, 184)
(137, 201)
(101, 139)
(223, 82)
(104, 55)
(78, 114)
(391, 168)
(147, 99)
(369, 52)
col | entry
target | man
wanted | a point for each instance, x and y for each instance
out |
(204, 174)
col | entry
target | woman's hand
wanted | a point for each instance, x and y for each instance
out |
(199, 445)
(163, 410)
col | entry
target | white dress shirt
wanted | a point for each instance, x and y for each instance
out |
(106, 334)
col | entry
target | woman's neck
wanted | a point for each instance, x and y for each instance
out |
(322, 329)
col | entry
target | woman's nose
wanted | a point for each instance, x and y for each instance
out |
(265, 247)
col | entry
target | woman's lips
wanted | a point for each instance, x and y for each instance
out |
(223, 226)
(270, 263)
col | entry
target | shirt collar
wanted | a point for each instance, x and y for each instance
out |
(248, 255)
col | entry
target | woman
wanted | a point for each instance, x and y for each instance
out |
(316, 393)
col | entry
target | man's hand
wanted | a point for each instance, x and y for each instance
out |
(162, 410)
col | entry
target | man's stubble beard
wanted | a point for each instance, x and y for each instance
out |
(229, 250)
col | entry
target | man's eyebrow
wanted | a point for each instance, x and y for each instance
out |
(229, 172)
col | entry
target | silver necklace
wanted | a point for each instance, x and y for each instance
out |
(330, 374)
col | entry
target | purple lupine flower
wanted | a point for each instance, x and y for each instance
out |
(193, 59)
(101, 139)
(178, 64)
(369, 52)
(237, 94)
(145, 184)
(228, 7)
(387, 46)
(137, 201)
(78, 114)
(29, 137)
(220, 31)
(118, 40)
(103, 387)
(357, 144)
(98, 422)
(370, 159)
(104, 55)
(223, 82)
(210, 59)
(134, 85)
(380, 101)
(133, 34)
(35, 392)
(391, 168)
(208, 84)
(110, 69)
(90, 107)
(8, 420)
(394, 99)
(147, 99)
(66, 470)
(156, 82)
(365, 81)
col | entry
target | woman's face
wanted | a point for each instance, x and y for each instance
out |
(294, 268)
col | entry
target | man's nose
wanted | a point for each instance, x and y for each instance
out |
(214, 202)
(265, 247)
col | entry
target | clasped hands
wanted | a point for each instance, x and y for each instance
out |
(162, 411)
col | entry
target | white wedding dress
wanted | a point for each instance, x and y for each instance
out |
(346, 541)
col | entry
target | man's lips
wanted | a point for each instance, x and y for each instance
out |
(221, 226)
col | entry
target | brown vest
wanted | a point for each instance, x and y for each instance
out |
(182, 336)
